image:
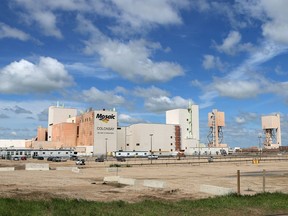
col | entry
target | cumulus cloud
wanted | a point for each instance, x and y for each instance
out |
(232, 44)
(126, 14)
(245, 81)
(128, 119)
(149, 92)
(90, 69)
(94, 95)
(141, 13)
(211, 62)
(272, 14)
(237, 88)
(240, 120)
(131, 60)
(18, 110)
(163, 103)
(26, 77)
(9, 32)
(246, 117)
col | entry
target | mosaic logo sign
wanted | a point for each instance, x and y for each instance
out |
(105, 118)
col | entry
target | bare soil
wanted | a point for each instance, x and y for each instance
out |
(182, 180)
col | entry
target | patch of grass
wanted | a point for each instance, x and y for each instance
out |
(260, 204)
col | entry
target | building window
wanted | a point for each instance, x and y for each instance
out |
(137, 144)
(171, 150)
(66, 152)
(159, 150)
(43, 153)
(171, 144)
(77, 131)
(136, 153)
(127, 144)
(58, 152)
(171, 137)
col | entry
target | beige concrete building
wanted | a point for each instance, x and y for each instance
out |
(272, 131)
(216, 121)
(58, 114)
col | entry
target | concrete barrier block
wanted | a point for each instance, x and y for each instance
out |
(75, 169)
(4, 169)
(111, 179)
(154, 183)
(215, 190)
(66, 168)
(127, 181)
(36, 166)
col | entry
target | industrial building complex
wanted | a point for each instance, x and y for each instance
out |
(97, 132)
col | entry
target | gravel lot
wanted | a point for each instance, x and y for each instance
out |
(182, 179)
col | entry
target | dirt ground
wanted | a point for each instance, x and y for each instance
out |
(182, 181)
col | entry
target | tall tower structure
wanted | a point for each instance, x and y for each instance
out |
(272, 131)
(216, 120)
(187, 129)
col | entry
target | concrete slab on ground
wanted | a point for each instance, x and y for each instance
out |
(36, 166)
(4, 169)
(154, 183)
(216, 190)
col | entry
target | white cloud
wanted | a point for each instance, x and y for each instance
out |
(126, 14)
(245, 81)
(111, 98)
(9, 32)
(231, 44)
(240, 120)
(25, 77)
(211, 62)
(47, 21)
(164, 103)
(90, 69)
(273, 15)
(237, 88)
(128, 119)
(132, 60)
(149, 92)
(139, 13)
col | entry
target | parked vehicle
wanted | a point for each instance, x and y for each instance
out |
(56, 159)
(23, 158)
(40, 158)
(16, 158)
(99, 159)
(80, 162)
(50, 158)
(121, 159)
(152, 157)
(74, 158)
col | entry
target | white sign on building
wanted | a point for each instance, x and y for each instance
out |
(105, 132)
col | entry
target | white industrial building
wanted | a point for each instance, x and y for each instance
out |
(160, 138)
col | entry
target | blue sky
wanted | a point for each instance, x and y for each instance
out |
(143, 58)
